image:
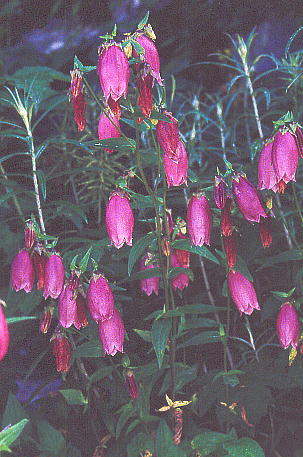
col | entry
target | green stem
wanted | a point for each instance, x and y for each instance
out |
(253, 99)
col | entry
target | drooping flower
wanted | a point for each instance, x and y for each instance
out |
(288, 326)
(168, 136)
(149, 285)
(78, 100)
(285, 155)
(22, 272)
(80, 317)
(176, 172)
(226, 223)
(67, 306)
(111, 333)
(29, 235)
(181, 280)
(199, 220)
(53, 276)
(267, 177)
(119, 219)
(247, 198)
(113, 71)
(230, 249)
(4, 335)
(108, 127)
(61, 351)
(150, 56)
(182, 255)
(145, 97)
(242, 292)
(131, 384)
(100, 298)
(39, 261)
(46, 319)
(266, 231)
(219, 192)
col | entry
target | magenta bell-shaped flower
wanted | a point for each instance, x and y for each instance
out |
(199, 220)
(288, 326)
(242, 292)
(100, 298)
(107, 129)
(181, 280)
(168, 136)
(267, 177)
(219, 192)
(285, 155)
(247, 198)
(119, 219)
(22, 272)
(176, 172)
(4, 335)
(149, 285)
(150, 56)
(53, 276)
(111, 333)
(113, 71)
(67, 306)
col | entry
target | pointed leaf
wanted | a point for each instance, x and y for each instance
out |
(244, 447)
(159, 332)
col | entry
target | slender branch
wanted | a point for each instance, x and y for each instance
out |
(253, 99)
(36, 186)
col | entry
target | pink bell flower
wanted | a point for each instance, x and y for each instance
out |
(242, 292)
(229, 243)
(285, 155)
(145, 97)
(108, 129)
(113, 71)
(288, 326)
(176, 172)
(149, 285)
(181, 280)
(4, 335)
(119, 219)
(267, 177)
(219, 192)
(168, 136)
(22, 272)
(199, 220)
(111, 333)
(53, 276)
(67, 306)
(150, 56)
(247, 199)
(100, 298)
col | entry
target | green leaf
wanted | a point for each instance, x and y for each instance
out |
(42, 182)
(85, 69)
(144, 334)
(175, 271)
(209, 442)
(187, 309)
(10, 434)
(140, 443)
(244, 447)
(14, 411)
(51, 441)
(89, 349)
(143, 21)
(127, 411)
(200, 250)
(125, 145)
(85, 260)
(138, 249)
(139, 49)
(148, 273)
(164, 445)
(74, 397)
(14, 320)
(201, 338)
(286, 256)
(159, 332)
(101, 373)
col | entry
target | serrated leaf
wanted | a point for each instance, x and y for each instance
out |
(74, 397)
(10, 434)
(244, 447)
(138, 249)
(200, 250)
(159, 332)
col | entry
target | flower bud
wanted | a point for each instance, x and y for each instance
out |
(247, 199)
(100, 298)
(267, 178)
(168, 136)
(131, 384)
(181, 280)
(53, 276)
(226, 223)
(80, 317)
(113, 71)
(182, 255)
(111, 333)
(285, 154)
(266, 231)
(4, 335)
(199, 220)
(78, 100)
(242, 292)
(149, 285)
(22, 272)
(150, 56)
(29, 235)
(220, 192)
(107, 129)
(176, 172)
(119, 219)
(230, 249)
(61, 351)
(39, 261)
(145, 97)
(46, 319)
(288, 326)
(67, 306)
